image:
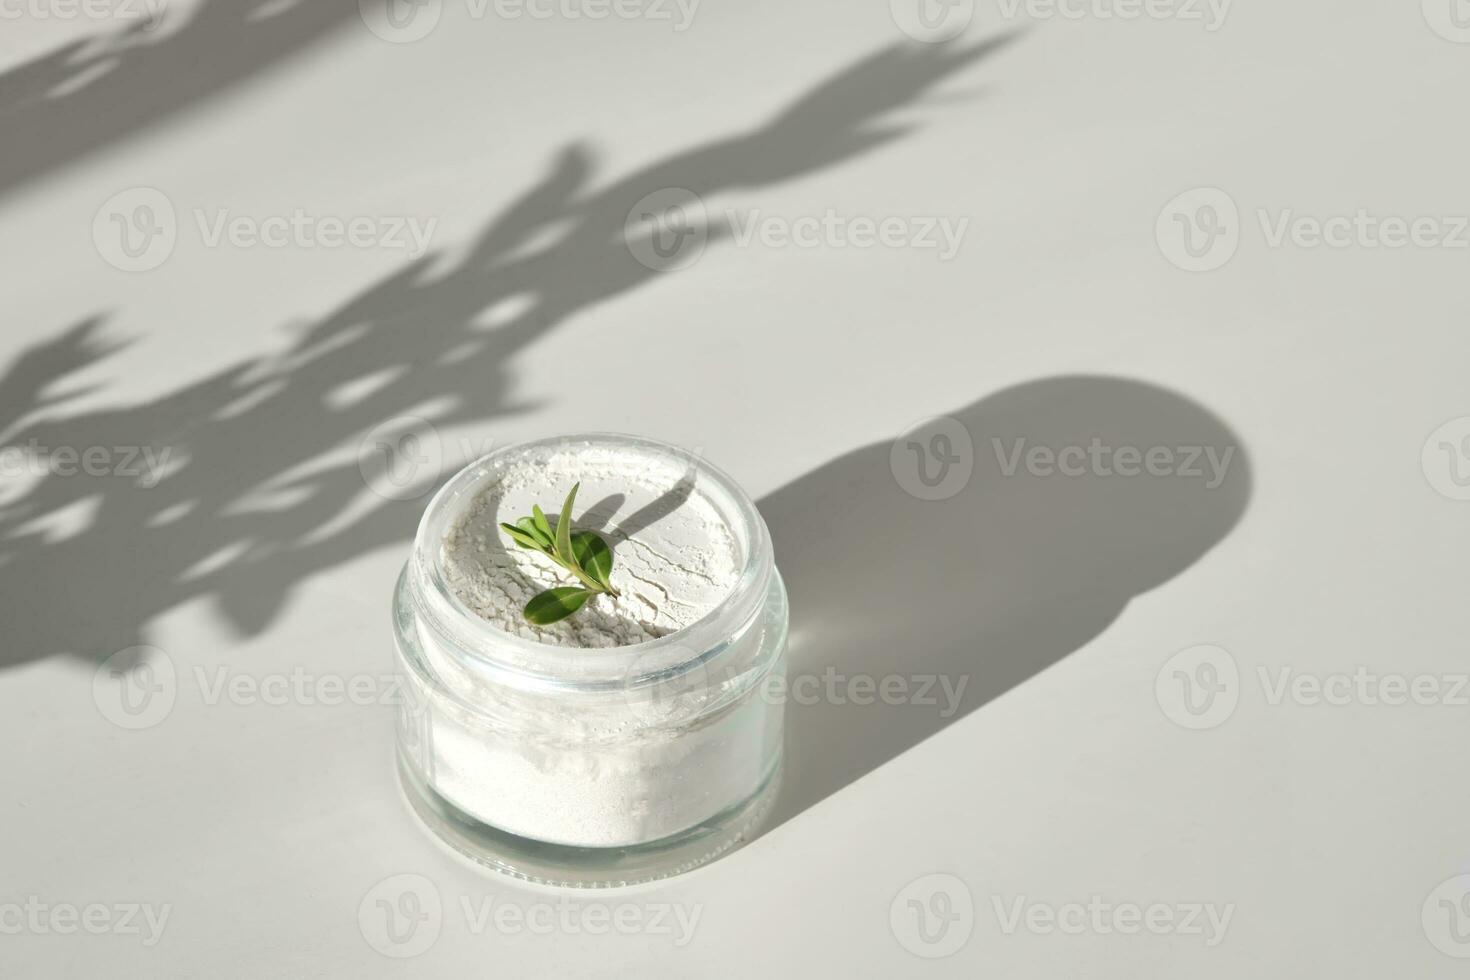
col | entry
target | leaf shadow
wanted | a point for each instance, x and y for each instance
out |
(276, 468)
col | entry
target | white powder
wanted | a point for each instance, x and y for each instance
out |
(674, 558)
(585, 769)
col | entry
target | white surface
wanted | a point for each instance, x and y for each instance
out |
(271, 831)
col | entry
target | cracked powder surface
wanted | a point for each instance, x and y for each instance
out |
(674, 557)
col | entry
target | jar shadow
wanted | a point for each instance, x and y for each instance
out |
(907, 614)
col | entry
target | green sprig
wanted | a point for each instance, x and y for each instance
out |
(583, 553)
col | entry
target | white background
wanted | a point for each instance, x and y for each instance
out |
(267, 828)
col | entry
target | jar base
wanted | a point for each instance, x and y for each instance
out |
(587, 867)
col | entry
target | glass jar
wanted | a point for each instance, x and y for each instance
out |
(591, 767)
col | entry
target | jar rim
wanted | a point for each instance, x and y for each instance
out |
(484, 645)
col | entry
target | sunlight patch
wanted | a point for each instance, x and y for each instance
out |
(248, 400)
(172, 513)
(506, 311)
(358, 390)
(222, 558)
(63, 523)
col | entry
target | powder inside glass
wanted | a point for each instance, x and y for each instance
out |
(637, 755)
(674, 558)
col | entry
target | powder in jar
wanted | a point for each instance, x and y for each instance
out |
(585, 770)
(674, 558)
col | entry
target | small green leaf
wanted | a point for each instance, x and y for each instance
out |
(593, 555)
(564, 528)
(555, 604)
(521, 537)
(529, 526)
(539, 517)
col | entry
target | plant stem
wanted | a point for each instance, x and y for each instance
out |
(592, 584)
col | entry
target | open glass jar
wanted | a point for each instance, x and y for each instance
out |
(591, 767)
